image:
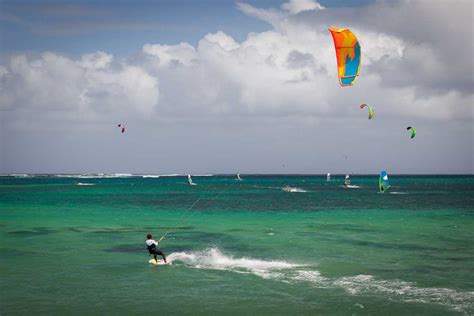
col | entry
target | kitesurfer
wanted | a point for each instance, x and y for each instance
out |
(152, 249)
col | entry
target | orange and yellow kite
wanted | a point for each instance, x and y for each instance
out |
(347, 54)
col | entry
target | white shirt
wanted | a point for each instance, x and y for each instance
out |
(150, 242)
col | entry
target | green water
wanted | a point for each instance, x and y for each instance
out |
(245, 247)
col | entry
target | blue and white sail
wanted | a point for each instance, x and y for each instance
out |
(384, 185)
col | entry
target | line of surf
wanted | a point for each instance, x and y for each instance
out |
(214, 259)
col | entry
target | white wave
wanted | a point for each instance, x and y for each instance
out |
(394, 289)
(105, 175)
(67, 175)
(293, 189)
(407, 291)
(94, 176)
(351, 186)
(85, 183)
(19, 175)
(359, 305)
(203, 175)
(398, 192)
(172, 175)
(365, 285)
(121, 175)
(150, 176)
(311, 276)
(212, 258)
(79, 176)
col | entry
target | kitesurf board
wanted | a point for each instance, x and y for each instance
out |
(158, 263)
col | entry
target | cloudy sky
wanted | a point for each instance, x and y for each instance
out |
(218, 86)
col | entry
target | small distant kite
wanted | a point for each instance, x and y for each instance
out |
(122, 128)
(347, 55)
(371, 111)
(413, 131)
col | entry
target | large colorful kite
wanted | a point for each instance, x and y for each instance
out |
(347, 55)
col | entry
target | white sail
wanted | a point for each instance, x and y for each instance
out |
(238, 176)
(347, 181)
(190, 180)
(328, 177)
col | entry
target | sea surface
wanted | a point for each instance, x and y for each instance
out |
(74, 244)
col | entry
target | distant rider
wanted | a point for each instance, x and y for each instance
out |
(152, 249)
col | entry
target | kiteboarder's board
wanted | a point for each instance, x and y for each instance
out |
(158, 263)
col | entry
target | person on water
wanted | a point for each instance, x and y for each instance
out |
(151, 245)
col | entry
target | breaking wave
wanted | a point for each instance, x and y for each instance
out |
(213, 258)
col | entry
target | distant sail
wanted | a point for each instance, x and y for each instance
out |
(190, 180)
(347, 180)
(238, 176)
(328, 177)
(383, 181)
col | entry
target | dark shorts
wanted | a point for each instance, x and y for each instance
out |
(157, 251)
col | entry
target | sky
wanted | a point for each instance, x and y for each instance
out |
(234, 86)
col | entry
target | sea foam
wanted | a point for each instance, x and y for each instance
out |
(213, 258)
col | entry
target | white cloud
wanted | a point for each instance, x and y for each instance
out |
(287, 71)
(285, 75)
(182, 53)
(98, 60)
(88, 86)
(297, 6)
(268, 15)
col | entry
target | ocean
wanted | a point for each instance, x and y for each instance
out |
(73, 244)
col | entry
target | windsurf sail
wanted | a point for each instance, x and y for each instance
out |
(328, 177)
(413, 131)
(383, 181)
(371, 111)
(238, 176)
(347, 180)
(347, 55)
(190, 180)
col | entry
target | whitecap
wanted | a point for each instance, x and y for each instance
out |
(293, 189)
(213, 258)
(406, 291)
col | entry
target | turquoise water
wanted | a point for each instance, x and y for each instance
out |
(76, 245)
